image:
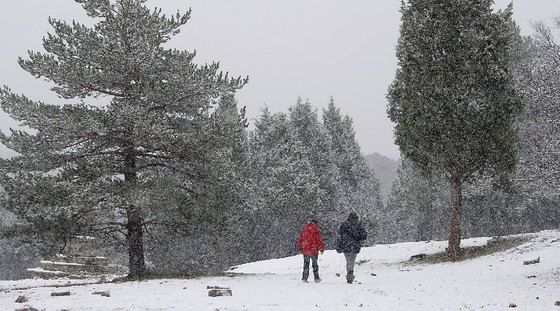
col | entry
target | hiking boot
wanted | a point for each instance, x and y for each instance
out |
(305, 281)
(350, 277)
(317, 279)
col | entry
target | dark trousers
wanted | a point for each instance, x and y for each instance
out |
(306, 259)
(350, 261)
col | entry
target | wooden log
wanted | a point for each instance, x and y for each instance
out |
(531, 262)
(219, 292)
(216, 287)
(54, 294)
(102, 293)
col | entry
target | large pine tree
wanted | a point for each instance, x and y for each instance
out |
(286, 194)
(453, 99)
(359, 187)
(317, 146)
(538, 78)
(146, 149)
(414, 209)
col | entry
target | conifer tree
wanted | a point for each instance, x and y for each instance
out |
(453, 99)
(414, 210)
(538, 78)
(143, 150)
(348, 157)
(317, 147)
(286, 187)
(359, 187)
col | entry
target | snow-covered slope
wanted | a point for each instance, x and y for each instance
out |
(384, 282)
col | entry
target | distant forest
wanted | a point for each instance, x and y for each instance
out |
(170, 180)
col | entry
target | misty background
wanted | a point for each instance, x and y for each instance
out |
(311, 49)
(316, 50)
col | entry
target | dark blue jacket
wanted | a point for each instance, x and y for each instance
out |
(351, 233)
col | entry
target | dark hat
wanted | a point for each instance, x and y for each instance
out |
(353, 216)
(314, 221)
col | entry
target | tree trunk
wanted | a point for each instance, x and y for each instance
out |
(455, 224)
(220, 250)
(136, 263)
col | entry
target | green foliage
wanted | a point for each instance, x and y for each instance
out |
(286, 193)
(151, 151)
(347, 154)
(453, 99)
(538, 78)
(319, 151)
(359, 188)
(417, 207)
(357, 183)
(297, 168)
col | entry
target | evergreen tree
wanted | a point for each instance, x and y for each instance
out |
(286, 188)
(148, 148)
(538, 78)
(491, 212)
(453, 99)
(317, 147)
(217, 210)
(366, 200)
(360, 188)
(347, 154)
(416, 206)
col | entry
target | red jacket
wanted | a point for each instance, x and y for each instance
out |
(310, 240)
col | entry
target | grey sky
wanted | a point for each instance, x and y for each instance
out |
(312, 49)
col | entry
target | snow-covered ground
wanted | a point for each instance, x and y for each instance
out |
(384, 282)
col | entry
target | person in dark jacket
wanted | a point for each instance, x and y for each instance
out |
(350, 237)
(310, 242)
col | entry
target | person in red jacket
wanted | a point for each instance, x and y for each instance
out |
(310, 242)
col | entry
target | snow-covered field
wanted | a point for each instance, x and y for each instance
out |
(384, 282)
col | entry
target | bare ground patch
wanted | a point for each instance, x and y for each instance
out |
(494, 245)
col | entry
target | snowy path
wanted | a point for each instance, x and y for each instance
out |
(486, 283)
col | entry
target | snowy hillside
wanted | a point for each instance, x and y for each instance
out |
(385, 281)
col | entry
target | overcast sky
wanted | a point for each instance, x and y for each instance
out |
(313, 49)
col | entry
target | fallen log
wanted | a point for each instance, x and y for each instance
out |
(215, 291)
(531, 262)
(60, 294)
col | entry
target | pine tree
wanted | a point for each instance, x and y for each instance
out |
(348, 157)
(144, 149)
(538, 78)
(415, 207)
(491, 212)
(453, 99)
(317, 147)
(360, 188)
(286, 188)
